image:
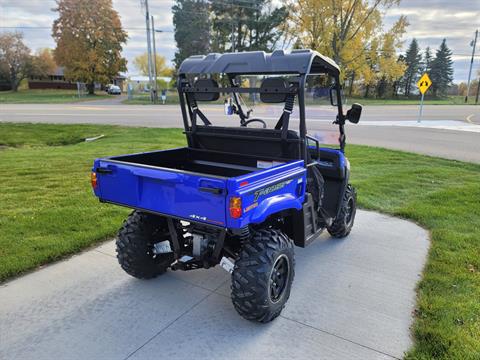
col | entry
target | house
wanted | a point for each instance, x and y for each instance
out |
(57, 80)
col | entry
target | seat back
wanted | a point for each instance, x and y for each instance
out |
(248, 141)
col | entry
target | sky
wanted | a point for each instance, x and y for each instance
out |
(430, 22)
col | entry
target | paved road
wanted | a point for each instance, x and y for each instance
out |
(439, 134)
(351, 299)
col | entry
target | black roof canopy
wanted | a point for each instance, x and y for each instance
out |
(259, 62)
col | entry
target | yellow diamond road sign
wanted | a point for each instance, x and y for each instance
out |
(424, 83)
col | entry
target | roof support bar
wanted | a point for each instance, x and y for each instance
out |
(238, 90)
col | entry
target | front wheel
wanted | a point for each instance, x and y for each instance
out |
(343, 223)
(263, 276)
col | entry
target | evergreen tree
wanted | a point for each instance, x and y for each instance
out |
(427, 60)
(254, 24)
(441, 72)
(413, 60)
(191, 21)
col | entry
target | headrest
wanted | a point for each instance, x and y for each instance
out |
(272, 86)
(204, 84)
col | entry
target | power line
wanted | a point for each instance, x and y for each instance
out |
(49, 28)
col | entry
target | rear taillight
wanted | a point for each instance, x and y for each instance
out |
(93, 180)
(235, 207)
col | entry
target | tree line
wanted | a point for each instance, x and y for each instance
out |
(349, 31)
(89, 41)
(17, 61)
(438, 67)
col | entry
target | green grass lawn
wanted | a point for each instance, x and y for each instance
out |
(47, 96)
(48, 211)
(414, 100)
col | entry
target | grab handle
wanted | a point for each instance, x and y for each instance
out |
(159, 175)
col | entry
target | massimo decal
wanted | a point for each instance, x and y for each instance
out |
(270, 189)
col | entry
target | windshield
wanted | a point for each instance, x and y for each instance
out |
(228, 109)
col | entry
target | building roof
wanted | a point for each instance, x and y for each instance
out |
(260, 62)
(60, 71)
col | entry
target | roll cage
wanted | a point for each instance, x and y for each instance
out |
(298, 63)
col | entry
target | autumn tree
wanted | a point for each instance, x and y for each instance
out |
(441, 73)
(89, 39)
(43, 63)
(15, 58)
(141, 63)
(349, 31)
(390, 69)
(191, 22)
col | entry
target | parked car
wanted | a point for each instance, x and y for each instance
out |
(114, 90)
(239, 197)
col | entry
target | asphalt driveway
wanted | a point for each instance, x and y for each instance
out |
(351, 299)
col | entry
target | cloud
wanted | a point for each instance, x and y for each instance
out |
(430, 22)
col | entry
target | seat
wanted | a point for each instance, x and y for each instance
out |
(248, 141)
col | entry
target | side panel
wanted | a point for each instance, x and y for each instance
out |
(173, 193)
(267, 192)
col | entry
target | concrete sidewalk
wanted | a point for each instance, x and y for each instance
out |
(351, 299)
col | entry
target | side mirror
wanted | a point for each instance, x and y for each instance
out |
(333, 97)
(353, 115)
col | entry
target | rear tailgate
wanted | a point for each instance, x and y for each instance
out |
(166, 191)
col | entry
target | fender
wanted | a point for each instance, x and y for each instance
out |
(275, 204)
(343, 188)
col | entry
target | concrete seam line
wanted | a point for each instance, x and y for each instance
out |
(220, 294)
(169, 324)
(340, 337)
(103, 253)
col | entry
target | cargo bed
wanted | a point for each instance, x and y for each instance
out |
(183, 182)
(218, 164)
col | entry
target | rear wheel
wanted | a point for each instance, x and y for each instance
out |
(136, 241)
(343, 223)
(263, 275)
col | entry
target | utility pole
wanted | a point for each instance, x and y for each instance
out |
(474, 44)
(154, 59)
(233, 28)
(478, 91)
(149, 49)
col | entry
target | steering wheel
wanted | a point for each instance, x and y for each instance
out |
(255, 120)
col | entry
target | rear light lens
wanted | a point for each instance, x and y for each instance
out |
(235, 207)
(93, 180)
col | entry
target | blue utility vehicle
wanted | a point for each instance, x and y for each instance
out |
(241, 196)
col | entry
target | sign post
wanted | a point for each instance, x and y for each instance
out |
(423, 84)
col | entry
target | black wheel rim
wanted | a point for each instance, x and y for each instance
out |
(349, 210)
(279, 278)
